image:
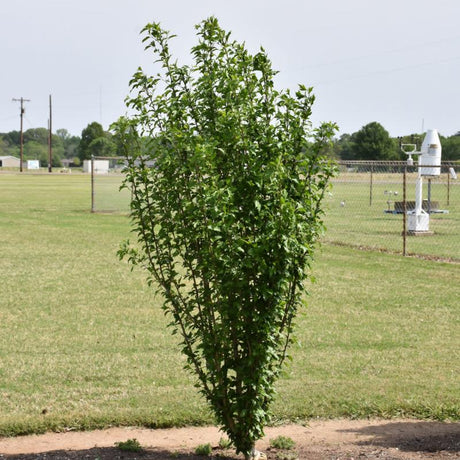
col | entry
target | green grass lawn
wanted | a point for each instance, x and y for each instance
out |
(84, 344)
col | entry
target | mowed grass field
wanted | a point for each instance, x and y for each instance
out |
(84, 343)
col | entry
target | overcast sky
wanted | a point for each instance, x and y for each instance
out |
(392, 61)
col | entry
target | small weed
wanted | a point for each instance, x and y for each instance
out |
(282, 442)
(287, 456)
(203, 449)
(131, 445)
(225, 443)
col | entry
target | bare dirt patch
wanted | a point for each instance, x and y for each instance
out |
(336, 439)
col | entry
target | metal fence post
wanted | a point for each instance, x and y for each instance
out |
(448, 188)
(429, 197)
(404, 232)
(371, 185)
(92, 183)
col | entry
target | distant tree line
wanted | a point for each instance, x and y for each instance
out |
(93, 141)
(371, 142)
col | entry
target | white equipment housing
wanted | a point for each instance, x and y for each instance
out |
(429, 162)
(431, 154)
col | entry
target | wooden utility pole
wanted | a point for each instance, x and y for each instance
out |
(50, 141)
(22, 100)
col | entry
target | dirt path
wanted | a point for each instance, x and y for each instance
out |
(336, 439)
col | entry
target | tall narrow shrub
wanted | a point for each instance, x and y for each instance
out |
(227, 179)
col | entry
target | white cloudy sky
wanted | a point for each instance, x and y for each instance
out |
(392, 61)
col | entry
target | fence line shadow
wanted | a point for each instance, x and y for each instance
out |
(110, 453)
(413, 436)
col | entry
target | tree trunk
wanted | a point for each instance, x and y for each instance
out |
(254, 454)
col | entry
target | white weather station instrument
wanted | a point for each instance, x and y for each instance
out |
(429, 165)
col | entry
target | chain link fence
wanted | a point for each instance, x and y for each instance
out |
(368, 204)
(106, 179)
(365, 208)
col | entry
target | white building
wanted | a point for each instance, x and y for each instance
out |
(100, 166)
(33, 164)
(9, 162)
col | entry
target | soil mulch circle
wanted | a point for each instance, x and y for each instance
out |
(319, 440)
